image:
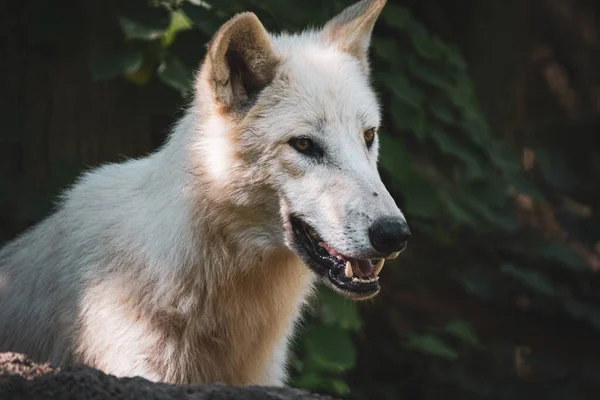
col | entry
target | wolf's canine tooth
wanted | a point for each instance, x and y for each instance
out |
(348, 270)
(379, 266)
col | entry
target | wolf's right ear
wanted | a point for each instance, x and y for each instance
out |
(351, 30)
(241, 61)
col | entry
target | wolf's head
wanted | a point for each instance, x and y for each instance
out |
(292, 129)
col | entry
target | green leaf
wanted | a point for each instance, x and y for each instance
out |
(426, 47)
(432, 345)
(441, 110)
(476, 203)
(402, 89)
(396, 16)
(422, 198)
(108, 66)
(394, 158)
(179, 22)
(555, 167)
(146, 24)
(430, 76)
(478, 282)
(463, 330)
(386, 49)
(177, 75)
(202, 17)
(337, 310)
(457, 213)
(558, 252)
(503, 157)
(189, 46)
(408, 118)
(310, 381)
(447, 145)
(533, 279)
(330, 348)
(455, 57)
(338, 386)
(316, 381)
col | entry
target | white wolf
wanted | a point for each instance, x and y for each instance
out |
(193, 264)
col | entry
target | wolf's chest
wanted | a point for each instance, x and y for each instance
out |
(242, 338)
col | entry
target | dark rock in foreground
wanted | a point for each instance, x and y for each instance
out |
(21, 378)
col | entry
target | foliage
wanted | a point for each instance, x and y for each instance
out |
(468, 199)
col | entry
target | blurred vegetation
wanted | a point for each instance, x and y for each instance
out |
(490, 145)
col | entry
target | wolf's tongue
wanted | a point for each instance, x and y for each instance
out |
(362, 267)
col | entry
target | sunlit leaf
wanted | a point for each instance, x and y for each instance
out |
(179, 22)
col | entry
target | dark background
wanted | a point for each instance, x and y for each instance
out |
(490, 145)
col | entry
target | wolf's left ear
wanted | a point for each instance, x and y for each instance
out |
(351, 30)
(241, 61)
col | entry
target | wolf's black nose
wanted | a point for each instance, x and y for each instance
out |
(389, 234)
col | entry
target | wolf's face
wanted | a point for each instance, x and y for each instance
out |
(309, 127)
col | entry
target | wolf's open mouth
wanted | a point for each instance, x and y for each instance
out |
(354, 278)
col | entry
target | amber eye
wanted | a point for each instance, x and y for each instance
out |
(302, 144)
(369, 136)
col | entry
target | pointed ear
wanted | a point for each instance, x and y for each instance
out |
(351, 30)
(241, 61)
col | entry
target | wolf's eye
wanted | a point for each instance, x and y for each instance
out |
(369, 136)
(302, 144)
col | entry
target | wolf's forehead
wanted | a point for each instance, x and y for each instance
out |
(328, 85)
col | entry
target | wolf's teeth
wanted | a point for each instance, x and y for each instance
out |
(355, 279)
(394, 255)
(348, 270)
(379, 266)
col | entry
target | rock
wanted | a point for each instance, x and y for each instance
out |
(21, 378)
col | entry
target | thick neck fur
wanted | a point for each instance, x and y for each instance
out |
(214, 284)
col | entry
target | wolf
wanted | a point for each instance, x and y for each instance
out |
(193, 264)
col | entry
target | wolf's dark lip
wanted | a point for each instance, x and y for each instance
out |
(353, 278)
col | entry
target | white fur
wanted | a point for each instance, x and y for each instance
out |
(175, 267)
